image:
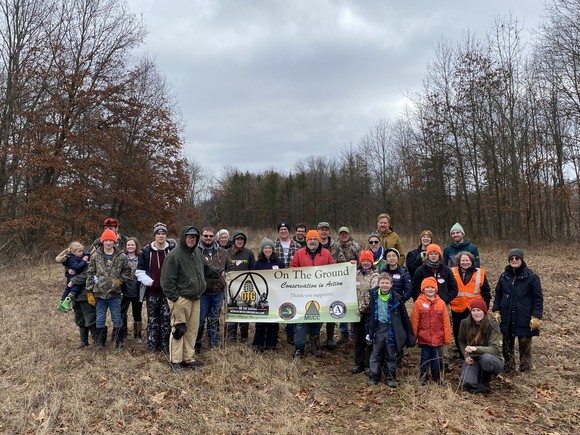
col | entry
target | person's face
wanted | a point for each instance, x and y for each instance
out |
(160, 237)
(457, 236)
(324, 232)
(267, 250)
(109, 244)
(240, 242)
(430, 291)
(131, 246)
(207, 238)
(477, 314)
(385, 285)
(283, 233)
(312, 243)
(224, 239)
(515, 262)
(190, 240)
(344, 236)
(79, 252)
(300, 233)
(383, 225)
(392, 258)
(465, 262)
(433, 256)
(366, 264)
(374, 244)
(426, 240)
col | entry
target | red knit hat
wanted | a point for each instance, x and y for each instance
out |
(108, 234)
(478, 303)
(433, 247)
(366, 255)
(312, 233)
(429, 282)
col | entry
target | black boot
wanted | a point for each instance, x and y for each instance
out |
(391, 380)
(101, 338)
(436, 374)
(484, 380)
(118, 337)
(84, 334)
(423, 377)
(137, 327)
(315, 345)
(93, 331)
(330, 343)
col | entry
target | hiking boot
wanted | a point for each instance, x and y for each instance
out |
(84, 334)
(342, 339)
(137, 328)
(372, 382)
(299, 354)
(330, 343)
(357, 369)
(391, 380)
(176, 367)
(118, 337)
(484, 387)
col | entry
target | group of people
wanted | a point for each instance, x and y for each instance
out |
(183, 285)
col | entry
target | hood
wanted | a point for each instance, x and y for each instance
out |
(240, 234)
(182, 237)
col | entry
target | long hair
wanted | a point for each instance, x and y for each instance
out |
(477, 334)
(262, 257)
(137, 245)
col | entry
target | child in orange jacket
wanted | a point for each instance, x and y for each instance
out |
(431, 327)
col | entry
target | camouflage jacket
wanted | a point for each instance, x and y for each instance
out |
(351, 249)
(105, 278)
(335, 250)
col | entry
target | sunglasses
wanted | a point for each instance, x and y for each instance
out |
(209, 236)
(514, 258)
(374, 242)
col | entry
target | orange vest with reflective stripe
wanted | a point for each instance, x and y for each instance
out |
(467, 292)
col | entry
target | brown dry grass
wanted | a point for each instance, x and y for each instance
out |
(49, 387)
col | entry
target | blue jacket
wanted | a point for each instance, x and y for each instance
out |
(401, 281)
(399, 319)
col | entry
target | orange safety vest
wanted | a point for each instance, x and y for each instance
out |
(467, 292)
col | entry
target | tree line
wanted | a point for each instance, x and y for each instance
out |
(492, 140)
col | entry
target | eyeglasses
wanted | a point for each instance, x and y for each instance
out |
(374, 242)
(514, 258)
(209, 236)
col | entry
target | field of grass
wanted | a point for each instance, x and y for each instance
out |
(47, 386)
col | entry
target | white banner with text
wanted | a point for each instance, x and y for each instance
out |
(296, 295)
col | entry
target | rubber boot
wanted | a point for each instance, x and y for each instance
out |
(330, 343)
(66, 303)
(485, 378)
(93, 331)
(60, 307)
(137, 328)
(436, 374)
(84, 334)
(101, 338)
(315, 345)
(423, 377)
(118, 337)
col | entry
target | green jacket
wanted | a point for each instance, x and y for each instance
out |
(184, 271)
(492, 346)
(392, 240)
(109, 278)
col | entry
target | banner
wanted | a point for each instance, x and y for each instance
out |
(295, 295)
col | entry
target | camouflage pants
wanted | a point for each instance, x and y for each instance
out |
(158, 323)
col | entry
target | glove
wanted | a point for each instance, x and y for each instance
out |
(179, 331)
(535, 323)
(368, 339)
(117, 282)
(91, 299)
(497, 316)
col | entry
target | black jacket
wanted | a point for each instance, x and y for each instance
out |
(447, 286)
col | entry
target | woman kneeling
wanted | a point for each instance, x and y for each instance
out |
(479, 339)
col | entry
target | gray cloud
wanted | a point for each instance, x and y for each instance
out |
(262, 83)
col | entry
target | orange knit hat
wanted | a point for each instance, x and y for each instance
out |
(366, 255)
(108, 234)
(433, 247)
(312, 233)
(429, 282)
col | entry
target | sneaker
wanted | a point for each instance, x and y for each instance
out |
(193, 365)
(299, 354)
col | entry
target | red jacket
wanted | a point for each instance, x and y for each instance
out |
(302, 258)
(430, 321)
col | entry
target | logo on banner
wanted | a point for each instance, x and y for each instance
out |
(312, 310)
(248, 294)
(287, 311)
(337, 310)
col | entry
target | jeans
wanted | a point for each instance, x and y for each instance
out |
(429, 358)
(302, 329)
(210, 309)
(114, 305)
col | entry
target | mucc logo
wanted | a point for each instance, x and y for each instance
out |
(248, 289)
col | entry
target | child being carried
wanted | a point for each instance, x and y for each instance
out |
(74, 259)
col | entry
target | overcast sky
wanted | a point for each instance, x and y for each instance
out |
(262, 84)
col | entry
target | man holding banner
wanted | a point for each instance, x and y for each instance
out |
(311, 255)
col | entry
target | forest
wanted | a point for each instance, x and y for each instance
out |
(491, 140)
